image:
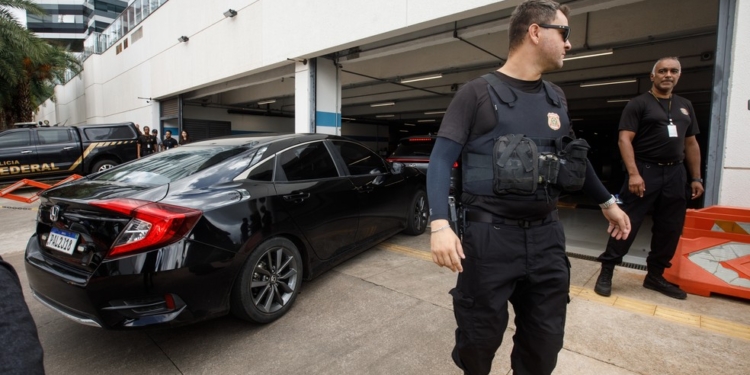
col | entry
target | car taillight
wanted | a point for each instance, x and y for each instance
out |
(153, 225)
(455, 164)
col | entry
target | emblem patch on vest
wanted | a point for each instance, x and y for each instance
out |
(553, 120)
(684, 111)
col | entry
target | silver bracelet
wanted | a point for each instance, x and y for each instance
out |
(441, 228)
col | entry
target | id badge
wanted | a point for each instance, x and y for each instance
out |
(672, 128)
(148, 145)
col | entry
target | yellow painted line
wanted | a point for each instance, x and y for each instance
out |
(414, 253)
(708, 323)
(678, 316)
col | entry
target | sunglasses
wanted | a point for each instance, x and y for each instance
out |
(565, 29)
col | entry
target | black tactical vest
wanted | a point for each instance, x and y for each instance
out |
(539, 116)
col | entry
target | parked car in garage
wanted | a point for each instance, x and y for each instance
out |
(225, 225)
(414, 151)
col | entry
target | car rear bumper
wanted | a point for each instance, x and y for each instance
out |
(120, 295)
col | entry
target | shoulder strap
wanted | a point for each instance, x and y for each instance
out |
(504, 92)
(552, 94)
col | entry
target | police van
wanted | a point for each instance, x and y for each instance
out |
(48, 152)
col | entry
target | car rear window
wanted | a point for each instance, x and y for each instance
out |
(419, 147)
(171, 165)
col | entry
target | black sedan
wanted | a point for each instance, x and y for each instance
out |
(226, 225)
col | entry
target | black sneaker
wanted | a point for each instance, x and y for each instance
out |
(604, 282)
(661, 285)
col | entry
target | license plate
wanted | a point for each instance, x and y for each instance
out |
(62, 240)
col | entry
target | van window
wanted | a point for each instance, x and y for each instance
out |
(101, 133)
(15, 139)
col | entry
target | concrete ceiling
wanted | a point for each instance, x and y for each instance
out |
(637, 31)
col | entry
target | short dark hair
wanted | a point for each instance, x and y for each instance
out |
(167, 132)
(528, 13)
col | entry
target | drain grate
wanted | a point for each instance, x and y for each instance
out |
(593, 258)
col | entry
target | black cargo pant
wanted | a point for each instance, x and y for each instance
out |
(529, 268)
(666, 192)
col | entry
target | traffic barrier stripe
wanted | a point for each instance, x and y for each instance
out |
(6, 192)
(712, 255)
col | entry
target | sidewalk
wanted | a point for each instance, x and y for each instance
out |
(388, 311)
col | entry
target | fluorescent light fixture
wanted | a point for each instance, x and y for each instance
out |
(430, 120)
(618, 100)
(408, 124)
(348, 118)
(422, 78)
(586, 55)
(604, 83)
(434, 113)
(269, 101)
(183, 39)
(403, 131)
(230, 13)
(383, 116)
(385, 104)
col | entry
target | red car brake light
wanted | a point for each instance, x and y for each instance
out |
(455, 164)
(153, 225)
(421, 140)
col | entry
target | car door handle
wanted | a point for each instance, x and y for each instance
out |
(67, 148)
(366, 189)
(26, 151)
(296, 197)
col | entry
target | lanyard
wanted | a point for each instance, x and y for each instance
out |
(669, 111)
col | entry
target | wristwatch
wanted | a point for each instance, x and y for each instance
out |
(697, 180)
(609, 202)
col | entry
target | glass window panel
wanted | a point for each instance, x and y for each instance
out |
(359, 159)
(308, 162)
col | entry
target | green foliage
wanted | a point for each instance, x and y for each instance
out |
(29, 67)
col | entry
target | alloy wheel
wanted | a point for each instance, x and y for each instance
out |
(275, 279)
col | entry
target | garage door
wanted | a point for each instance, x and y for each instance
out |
(205, 129)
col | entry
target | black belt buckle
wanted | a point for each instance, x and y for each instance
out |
(669, 164)
(525, 224)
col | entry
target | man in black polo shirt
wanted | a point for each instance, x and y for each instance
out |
(168, 141)
(146, 143)
(657, 132)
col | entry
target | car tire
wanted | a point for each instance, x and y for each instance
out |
(103, 165)
(417, 215)
(268, 283)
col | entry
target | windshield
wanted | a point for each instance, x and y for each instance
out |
(171, 165)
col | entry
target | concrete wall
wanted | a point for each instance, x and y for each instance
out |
(241, 124)
(735, 178)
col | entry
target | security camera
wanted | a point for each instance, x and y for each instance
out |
(706, 56)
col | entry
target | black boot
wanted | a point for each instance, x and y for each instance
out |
(661, 285)
(604, 282)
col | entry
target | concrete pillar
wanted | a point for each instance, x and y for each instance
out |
(317, 97)
(304, 97)
(327, 98)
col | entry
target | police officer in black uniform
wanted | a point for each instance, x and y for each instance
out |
(513, 246)
(657, 132)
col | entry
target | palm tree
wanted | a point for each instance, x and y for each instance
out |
(29, 67)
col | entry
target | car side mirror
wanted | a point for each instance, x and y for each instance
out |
(397, 168)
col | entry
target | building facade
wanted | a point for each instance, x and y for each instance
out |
(375, 71)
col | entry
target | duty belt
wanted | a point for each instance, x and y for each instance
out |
(669, 163)
(486, 217)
